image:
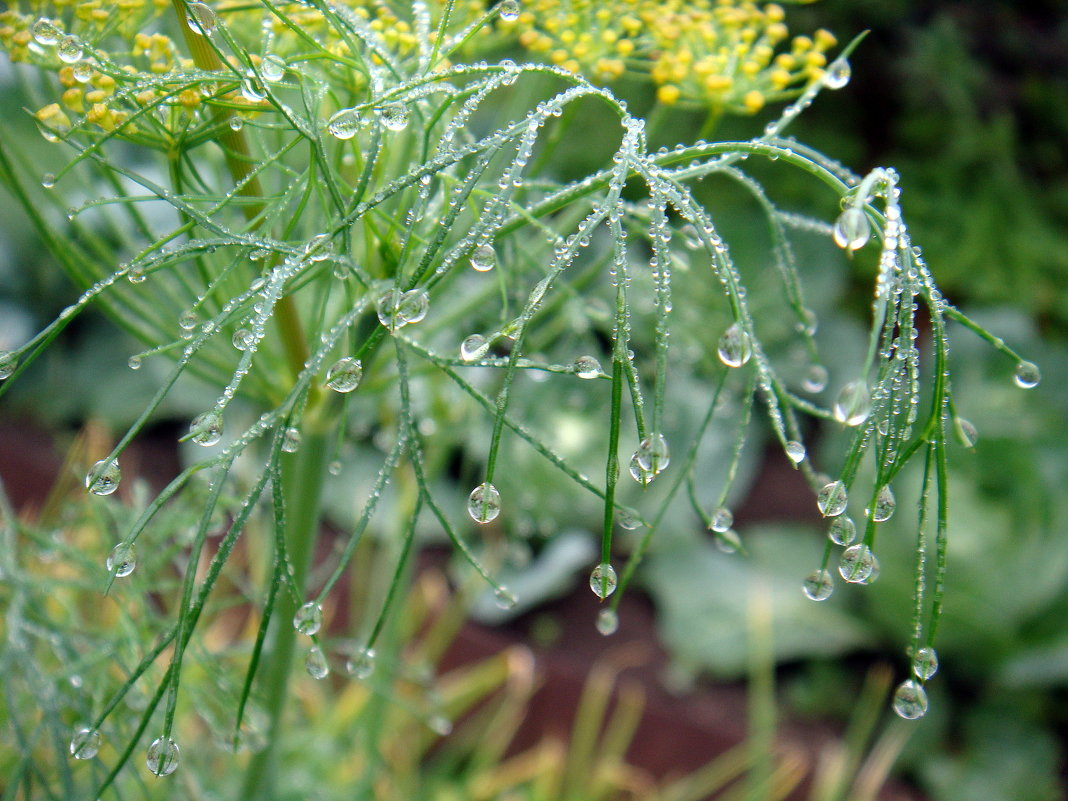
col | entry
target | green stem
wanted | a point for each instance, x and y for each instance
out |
(302, 486)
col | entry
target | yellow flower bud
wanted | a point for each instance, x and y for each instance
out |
(668, 94)
(753, 100)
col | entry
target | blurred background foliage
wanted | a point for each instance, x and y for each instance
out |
(969, 102)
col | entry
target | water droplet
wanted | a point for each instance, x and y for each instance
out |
(910, 700)
(207, 428)
(721, 519)
(8, 364)
(237, 122)
(362, 664)
(484, 258)
(315, 663)
(504, 598)
(627, 521)
(795, 451)
(857, 563)
(45, 32)
(122, 560)
(474, 348)
(344, 124)
(1027, 375)
(653, 454)
(638, 473)
(735, 349)
(334, 468)
(187, 321)
(394, 116)
(319, 248)
(607, 622)
(818, 585)
(484, 503)
(69, 49)
(134, 362)
(273, 68)
(842, 530)
(48, 180)
(853, 404)
(885, 504)
(603, 580)
(815, 379)
(243, 339)
(967, 434)
(344, 375)
(82, 71)
(308, 619)
(413, 306)
(162, 756)
(251, 88)
(136, 274)
(201, 19)
(587, 367)
(925, 663)
(852, 229)
(291, 440)
(103, 477)
(85, 744)
(832, 499)
(509, 10)
(837, 74)
(728, 541)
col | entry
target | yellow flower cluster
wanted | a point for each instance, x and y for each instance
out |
(728, 55)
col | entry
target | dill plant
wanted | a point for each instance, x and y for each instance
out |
(351, 227)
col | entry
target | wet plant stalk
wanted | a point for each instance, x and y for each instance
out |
(302, 477)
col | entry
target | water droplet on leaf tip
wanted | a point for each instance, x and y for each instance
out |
(795, 451)
(607, 622)
(815, 379)
(842, 530)
(721, 519)
(344, 375)
(857, 564)
(925, 663)
(1027, 375)
(853, 404)
(852, 229)
(344, 124)
(134, 362)
(122, 560)
(291, 439)
(837, 74)
(484, 503)
(315, 663)
(728, 541)
(587, 367)
(308, 619)
(45, 32)
(818, 585)
(735, 347)
(207, 428)
(85, 744)
(201, 19)
(162, 756)
(832, 499)
(483, 258)
(603, 580)
(885, 504)
(474, 347)
(69, 49)
(910, 700)
(509, 10)
(103, 477)
(653, 454)
(48, 180)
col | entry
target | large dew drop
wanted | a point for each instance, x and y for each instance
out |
(273, 68)
(638, 473)
(45, 32)
(122, 560)
(607, 622)
(484, 258)
(721, 519)
(85, 744)
(484, 503)
(474, 348)
(504, 598)
(344, 375)
(207, 428)
(857, 564)
(735, 349)
(818, 585)
(603, 580)
(910, 700)
(162, 756)
(653, 454)
(291, 439)
(795, 452)
(201, 19)
(925, 663)
(842, 530)
(362, 664)
(837, 74)
(832, 499)
(509, 10)
(587, 367)
(103, 477)
(344, 124)
(394, 116)
(884, 507)
(853, 404)
(315, 663)
(852, 229)
(8, 364)
(1027, 375)
(308, 619)
(69, 50)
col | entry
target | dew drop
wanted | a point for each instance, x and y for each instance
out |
(136, 274)
(607, 622)
(237, 122)
(362, 664)
(319, 248)
(627, 521)
(967, 434)
(344, 124)
(334, 468)
(201, 19)
(251, 89)
(85, 744)
(45, 32)
(653, 454)
(273, 68)
(721, 519)
(1027, 375)
(837, 74)
(795, 451)
(587, 367)
(82, 71)
(509, 10)
(818, 585)
(852, 230)
(474, 347)
(484, 258)
(603, 580)
(910, 700)
(48, 180)
(207, 428)
(735, 349)
(728, 541)
(122, 560)
(638, 473)
(187, 321)
(291, 440)
(884, 507)
(344, 375)
(69, 49)
(243, 339)
(504, 598)
(842, 530)
(925, 663)
(815, 379)
(394, 116)
(8, 364)
(857, 563)
(413, 306)
(853, 404)
(103, 477)
(308, 619)
(162, 756)
(315, 663)
(484, 503)
(832, 499)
